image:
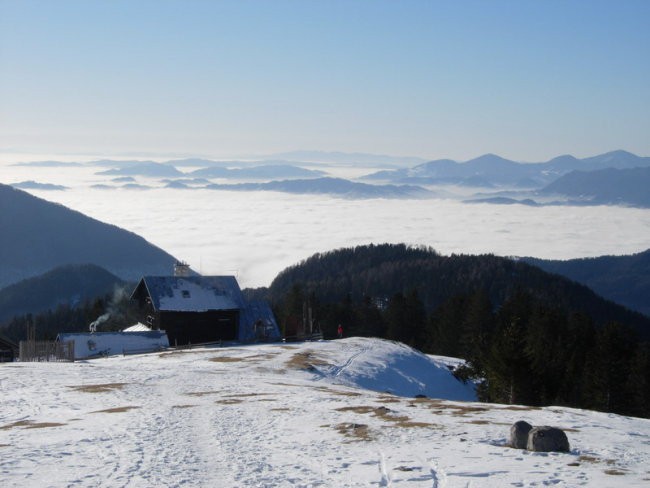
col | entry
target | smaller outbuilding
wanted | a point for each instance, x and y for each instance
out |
(89, 345)
(8, 350)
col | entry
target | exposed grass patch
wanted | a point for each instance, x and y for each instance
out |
(5, 445)
(116, 409)
(615, 472)
(229, 401)
(479, 422)
(100, 388)
(202, 393)
(30, 424)
(354, 432)
(306, 361)
(183, 406)
(226, 359)
(338, 392)
(519, 408)
(386, 414)
(245, 395)
(460, 410)
(280, 409)
(408, 424)
(389, 399)
(588, 459)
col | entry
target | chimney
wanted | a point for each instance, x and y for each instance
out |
(181, 269)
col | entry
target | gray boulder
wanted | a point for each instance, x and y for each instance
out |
(547, 439)
(519, 434)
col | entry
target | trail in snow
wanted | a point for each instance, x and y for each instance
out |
(244, 416)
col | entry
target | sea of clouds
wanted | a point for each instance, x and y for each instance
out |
(255, 235)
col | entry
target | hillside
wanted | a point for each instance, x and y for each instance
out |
(605, 187)
(37, 236)
(68, 285)
(380, 271)
(622, 279)
(289, 415)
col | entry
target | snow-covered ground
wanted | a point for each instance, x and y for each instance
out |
(313, 414)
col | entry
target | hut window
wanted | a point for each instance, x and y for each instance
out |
(186, 293)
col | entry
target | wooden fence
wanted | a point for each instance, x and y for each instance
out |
(43, 351)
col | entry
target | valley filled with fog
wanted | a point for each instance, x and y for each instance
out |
(255, 234)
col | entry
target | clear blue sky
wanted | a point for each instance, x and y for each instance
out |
(528, 80)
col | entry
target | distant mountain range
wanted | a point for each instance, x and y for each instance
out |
(613, 178)
(330, 186)
(606, 186)
(37, 236)
(264, 172)
(492, 170)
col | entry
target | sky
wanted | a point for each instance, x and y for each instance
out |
(434, 79)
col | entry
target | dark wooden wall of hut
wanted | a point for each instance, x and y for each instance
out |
(197, 327)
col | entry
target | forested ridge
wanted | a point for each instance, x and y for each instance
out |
(532, 337)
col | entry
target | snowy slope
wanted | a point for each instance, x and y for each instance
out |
(288, 415)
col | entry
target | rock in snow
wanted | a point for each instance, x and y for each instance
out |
(519, 434)
(547, 439)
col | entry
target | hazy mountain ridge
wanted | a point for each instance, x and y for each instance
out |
(37, 236)
(611, 186)
(330, 186)
(495, 170)
(536, 182)
(65, 285)
(622, 279)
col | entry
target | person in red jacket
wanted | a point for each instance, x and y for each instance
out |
(340, 331)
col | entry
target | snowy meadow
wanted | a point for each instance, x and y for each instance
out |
(332, 414)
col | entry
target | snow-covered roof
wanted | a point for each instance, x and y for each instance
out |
(193, 293)
(139, 327)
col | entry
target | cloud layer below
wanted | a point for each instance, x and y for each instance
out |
(255, 235)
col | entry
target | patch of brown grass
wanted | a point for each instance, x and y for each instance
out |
(229, 401)
(479, 422)
(245, 395)
(519, 408)
(386, 415)
(306, 361)
(100, 388)
(588, 459)
(407, 424)
(327, 389)
(615, 472)
(116, 409)
(354, 432)
(202, 393)
(5, 445)
(387, 399)
(280, 409)
(30, 424)
(183, 406)
(226, 359)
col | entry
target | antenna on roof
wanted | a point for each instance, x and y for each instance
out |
(181, 269)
